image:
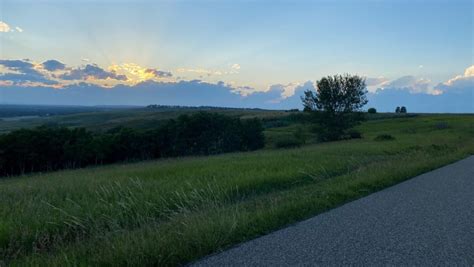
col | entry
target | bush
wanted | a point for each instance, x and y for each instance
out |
(384, 137)
(288, 142)
(372, 111)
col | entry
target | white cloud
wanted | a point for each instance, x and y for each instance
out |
(468, 73)
(374, 83)
(420, 66)
(460, 82)
(235, 66)
(289, 89)
(5, 27)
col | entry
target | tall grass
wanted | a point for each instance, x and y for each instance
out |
(171, 212)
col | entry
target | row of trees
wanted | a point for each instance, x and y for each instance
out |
(46, 148)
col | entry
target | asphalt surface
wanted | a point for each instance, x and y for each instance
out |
(425, 221)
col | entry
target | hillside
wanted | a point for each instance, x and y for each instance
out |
(173, 211)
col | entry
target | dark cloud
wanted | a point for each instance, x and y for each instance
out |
(21, 78)
(159, 73)
(91, 71)
(186, 93)
(16, 65)
(24, 73)
(52, 65)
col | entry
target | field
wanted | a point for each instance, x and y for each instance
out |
(174, 211)
(104, 118)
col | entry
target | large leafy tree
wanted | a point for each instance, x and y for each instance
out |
(336, 104)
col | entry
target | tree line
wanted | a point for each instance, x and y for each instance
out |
(53, 148)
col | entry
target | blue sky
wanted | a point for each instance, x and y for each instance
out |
(423, 48)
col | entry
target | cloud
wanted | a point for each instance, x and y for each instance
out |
(92, 72)
(455, 102)
(408, 83)
(26, 78)
(23, 72)
(235, 66)
(17, 65)
(53, 65)
(136, 73)
(4, 27)
(51, 82)
(454, 95)
(460, 82)
(159, 73)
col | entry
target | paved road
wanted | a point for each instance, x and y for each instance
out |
(425, 221)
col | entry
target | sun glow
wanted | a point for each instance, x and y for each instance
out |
(136, 73)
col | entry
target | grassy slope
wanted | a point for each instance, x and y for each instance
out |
(174, 211)
(137, 118)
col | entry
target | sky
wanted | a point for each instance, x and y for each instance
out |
(236, 53)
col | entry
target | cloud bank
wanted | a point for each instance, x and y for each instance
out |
(52, 82)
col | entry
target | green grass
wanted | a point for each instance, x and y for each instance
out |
(174, 211)
(137, 118)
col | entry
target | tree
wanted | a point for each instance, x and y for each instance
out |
(397, 110)
(372, 111)
(403, 110)
(336, 104)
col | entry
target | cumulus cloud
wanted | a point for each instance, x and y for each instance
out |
(23, 72)
(374, 83)
(235, 66)
(91, 72)
(27, 82)
(53, 65)
(460, 82)
(412, 84)
(4, 27)
(26, 78)
(159, 73)
(16, 65)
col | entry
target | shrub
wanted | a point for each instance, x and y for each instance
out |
(372, 111)
(384, 137)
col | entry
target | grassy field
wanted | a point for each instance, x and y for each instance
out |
(174, 211)
(105, 119)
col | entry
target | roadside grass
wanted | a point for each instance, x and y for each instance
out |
(174, 211)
